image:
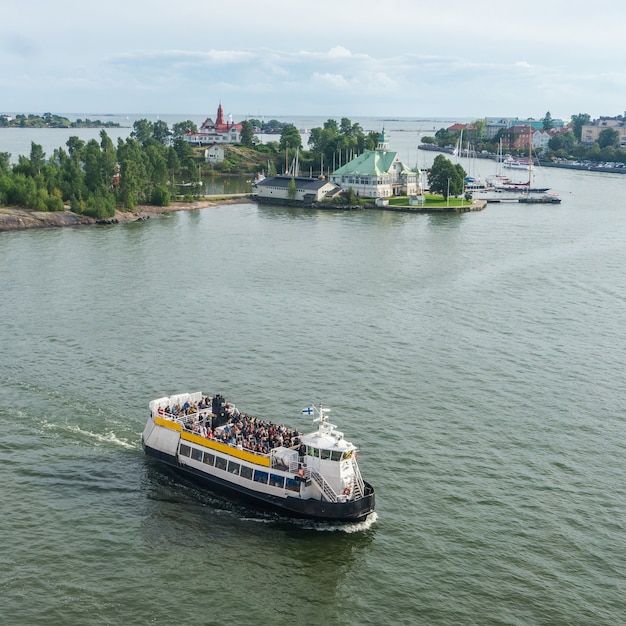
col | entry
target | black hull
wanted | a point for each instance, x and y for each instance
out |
(354, 511)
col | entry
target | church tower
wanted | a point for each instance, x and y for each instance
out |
(220, 116)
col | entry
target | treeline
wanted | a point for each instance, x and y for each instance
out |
(95, 177)
(329, 146)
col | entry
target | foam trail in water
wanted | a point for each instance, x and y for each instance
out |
(109, 437)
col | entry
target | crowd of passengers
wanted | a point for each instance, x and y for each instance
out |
(241, 430)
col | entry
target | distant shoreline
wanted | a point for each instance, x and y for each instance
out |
(583, 167)
(17, 218)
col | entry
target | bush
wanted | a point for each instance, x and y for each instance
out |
(161, 196)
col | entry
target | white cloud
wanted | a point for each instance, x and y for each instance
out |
(410, 59)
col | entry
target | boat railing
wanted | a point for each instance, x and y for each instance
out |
(358, 484)
(321, 482)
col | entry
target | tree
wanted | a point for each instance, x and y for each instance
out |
(548, 122)
(161, 132)
(563, 141)
(247, 133)
(76, 148)
(161, 196)
(93, 171)
(608, 137)
(577, 122)
(5, 162)
(182, 128)
(108, 158)
(143, 131)
(445, 177)
(290, 137)
(291, 189)
(445, 138)
(37, 158)
(478, 130)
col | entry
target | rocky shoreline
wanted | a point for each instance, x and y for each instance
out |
(16, 218)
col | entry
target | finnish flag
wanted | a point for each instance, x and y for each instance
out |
(307, 411)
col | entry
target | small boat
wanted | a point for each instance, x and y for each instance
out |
(313, 475)
(516, 164)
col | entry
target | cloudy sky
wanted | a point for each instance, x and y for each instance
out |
(404, 58)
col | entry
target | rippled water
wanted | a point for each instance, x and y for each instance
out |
(476, 359)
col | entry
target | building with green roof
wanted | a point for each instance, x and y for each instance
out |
(377, 173)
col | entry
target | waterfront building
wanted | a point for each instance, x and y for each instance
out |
(307, 190)
(377, 173)
(211, 132)
(590, 133)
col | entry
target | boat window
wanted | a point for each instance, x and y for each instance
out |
(209, 458)
(277, 481)
(260, 477)
(196, 454)
(246, 472)
(220, 462)
(325, 454)
(233, 467)
(292, 484)
(313, 451)
(336, 456)
(185, 450)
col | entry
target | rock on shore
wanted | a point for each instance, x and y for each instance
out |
(16, 218)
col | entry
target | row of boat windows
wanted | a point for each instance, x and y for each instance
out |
(331, 455)
(257, 475)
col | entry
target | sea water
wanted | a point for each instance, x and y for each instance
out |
(476, 360)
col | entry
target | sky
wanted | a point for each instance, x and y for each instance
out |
(341, 58)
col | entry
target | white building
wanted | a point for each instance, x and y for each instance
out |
(214, 154)
(540, 140)
(308, 190)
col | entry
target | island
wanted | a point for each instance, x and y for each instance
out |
(48, 120)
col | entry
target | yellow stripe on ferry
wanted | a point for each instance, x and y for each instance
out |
(226, 449)
(160, 421)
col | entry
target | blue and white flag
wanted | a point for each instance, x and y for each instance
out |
(308, 411)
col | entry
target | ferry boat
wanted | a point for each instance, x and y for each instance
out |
(313, 475)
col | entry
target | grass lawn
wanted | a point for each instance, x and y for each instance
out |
(431, 201)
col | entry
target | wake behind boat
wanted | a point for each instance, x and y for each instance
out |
(315, 475)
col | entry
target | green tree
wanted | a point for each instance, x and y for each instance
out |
(548, 122)
(577, 122)
(76, 148)
(247, 133)
(445, 177)
(479, 129)
(291, 189)
(161, 196)
(108, 158)
(290, 138)
(5, 163)
(446, 138)
(93, 171)
(143, 131)
(37, 158)
(161, 132)
(182, 128)
(608, 137)
(563, 141)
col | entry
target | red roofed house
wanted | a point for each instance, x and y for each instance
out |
(215, 132)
